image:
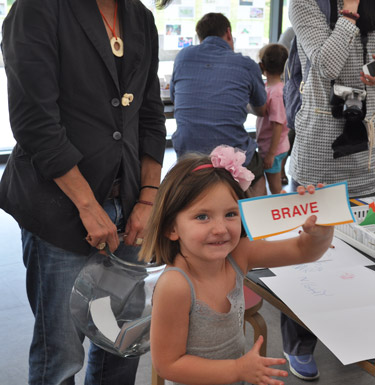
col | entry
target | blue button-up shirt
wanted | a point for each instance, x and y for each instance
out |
(211, 86)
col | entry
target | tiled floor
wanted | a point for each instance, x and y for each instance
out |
(16, 322)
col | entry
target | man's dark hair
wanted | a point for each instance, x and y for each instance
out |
(212, 24)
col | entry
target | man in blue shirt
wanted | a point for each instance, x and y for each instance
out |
(212, 89)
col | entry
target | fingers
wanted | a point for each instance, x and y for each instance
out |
(269, 372)
(309, 188)
(367, 79)
(301, 190)
(101, 231)
(133, 235)
(102, 235)
(309, 224)
(258, 344)
(272, 372)
(268, 361)
(136, 224)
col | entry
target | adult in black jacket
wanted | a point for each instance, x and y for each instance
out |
(85, 110)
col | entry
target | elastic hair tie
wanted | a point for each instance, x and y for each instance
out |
(208, 165)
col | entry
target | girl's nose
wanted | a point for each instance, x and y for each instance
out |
(219, 227)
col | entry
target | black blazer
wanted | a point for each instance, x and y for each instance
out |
(65, 109)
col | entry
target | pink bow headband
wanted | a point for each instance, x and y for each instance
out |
(231, 159)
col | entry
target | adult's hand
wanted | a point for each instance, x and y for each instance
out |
(137, 222)
(100, 228)
(101, 231)
(351, 5)
(368, 80)
(136, 225)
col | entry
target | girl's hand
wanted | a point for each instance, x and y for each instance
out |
(268, 161)
(368, 80)
(310, 227)
(254, 368)
(310, 189)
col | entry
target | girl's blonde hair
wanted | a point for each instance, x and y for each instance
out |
(180, 187)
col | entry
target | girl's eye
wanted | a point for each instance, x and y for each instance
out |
(202, 217)
(232, 214)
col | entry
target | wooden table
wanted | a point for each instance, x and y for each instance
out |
(253, 282)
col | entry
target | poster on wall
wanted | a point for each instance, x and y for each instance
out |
(249, 34)
(254, 9)
(3, 8)
(182, 9)
(217, 6)
(256, 13)
(178, 35)
(173, 29)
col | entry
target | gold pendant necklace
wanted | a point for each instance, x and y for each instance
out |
(117, 45)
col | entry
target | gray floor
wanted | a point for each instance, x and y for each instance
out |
(16, 322)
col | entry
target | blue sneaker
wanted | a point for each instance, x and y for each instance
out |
(303, 367)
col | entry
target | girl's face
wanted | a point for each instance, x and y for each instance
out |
(210, 228)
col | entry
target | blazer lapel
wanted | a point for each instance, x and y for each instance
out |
(88, 15)
(134, 40)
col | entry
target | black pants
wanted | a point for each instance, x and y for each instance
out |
(297, 340)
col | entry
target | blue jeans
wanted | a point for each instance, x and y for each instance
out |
(56, 352)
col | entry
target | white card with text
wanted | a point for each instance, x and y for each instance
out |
(270, 215)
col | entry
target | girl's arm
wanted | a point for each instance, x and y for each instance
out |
(169, 332)
(308, 247)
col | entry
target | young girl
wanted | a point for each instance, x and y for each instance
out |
(272, 132)
(198, 304)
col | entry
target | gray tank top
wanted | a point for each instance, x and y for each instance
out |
(216, 335)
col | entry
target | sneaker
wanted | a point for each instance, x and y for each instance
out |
(303, 367)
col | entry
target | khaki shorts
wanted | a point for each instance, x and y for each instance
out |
(256, 166)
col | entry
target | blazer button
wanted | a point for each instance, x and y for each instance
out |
(117, 135)
(115, 102)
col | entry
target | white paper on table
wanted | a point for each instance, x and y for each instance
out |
(103, 317)
(338, 306)
(342, 255)
(266, 216)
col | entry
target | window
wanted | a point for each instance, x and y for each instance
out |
(250, 20)
(176, 25)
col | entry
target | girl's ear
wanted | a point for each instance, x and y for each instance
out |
(172, 234)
